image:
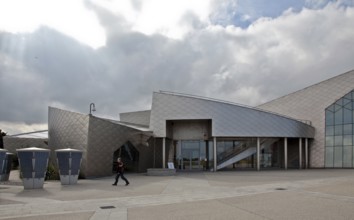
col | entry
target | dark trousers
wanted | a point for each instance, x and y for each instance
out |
(120, 174)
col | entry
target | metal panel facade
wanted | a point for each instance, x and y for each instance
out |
(228, 120)
(105, 138)
(68, 130)
(140, 117)
(98, 139)
(12, 143)
(310, 104)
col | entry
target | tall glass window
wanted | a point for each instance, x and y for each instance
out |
(339, 132)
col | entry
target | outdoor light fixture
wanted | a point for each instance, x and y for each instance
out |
(92, 108)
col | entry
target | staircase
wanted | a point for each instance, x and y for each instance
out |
(243, 151)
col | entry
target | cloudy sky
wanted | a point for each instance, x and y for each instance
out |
(68, 54)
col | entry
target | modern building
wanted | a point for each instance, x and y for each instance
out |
(310, 128)
(329, 106)
(24, 140)
(101, 140)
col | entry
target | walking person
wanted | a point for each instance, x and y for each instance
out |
(120, 172)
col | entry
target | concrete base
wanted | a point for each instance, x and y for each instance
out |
(68, 179)
(161, 172)
(33, 183)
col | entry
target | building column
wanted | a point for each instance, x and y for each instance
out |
(215, 157)
(258, 153)
(207, 154)
(286, 153)
(279, 155)
(164, 152)
(300, 153)
(306, 153)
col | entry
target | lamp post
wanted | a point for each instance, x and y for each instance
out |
(92, 108)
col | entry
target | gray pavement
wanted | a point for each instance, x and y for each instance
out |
(277, 194)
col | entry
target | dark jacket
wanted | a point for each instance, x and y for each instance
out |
(120, 167)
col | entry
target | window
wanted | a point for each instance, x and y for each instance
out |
(339, 132)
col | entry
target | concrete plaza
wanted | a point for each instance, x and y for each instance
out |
(277, 194)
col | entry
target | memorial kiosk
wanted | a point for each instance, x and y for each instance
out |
(69, 161)
(33, 166)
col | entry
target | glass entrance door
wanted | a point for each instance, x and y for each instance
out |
(191, 154)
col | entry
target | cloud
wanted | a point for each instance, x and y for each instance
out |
(244, 13)
(20, 127)
(154, 16)
(69, 17)
(248, 65)
(275, 56)
(42, 67)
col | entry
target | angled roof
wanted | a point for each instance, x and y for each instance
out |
(137, 117)
(142, 128)
(310, 103)
(228, 119)
(43, 134)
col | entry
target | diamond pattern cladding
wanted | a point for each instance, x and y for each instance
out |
(96, 137)
(310, 104)
(68, 130)
(140, 117)
(105, 138)
(13, 143)
(227, 119)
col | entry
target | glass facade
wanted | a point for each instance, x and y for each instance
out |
(229, 148)
(233, 153)
(194, 155)
(245, 148)
(339, 133)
